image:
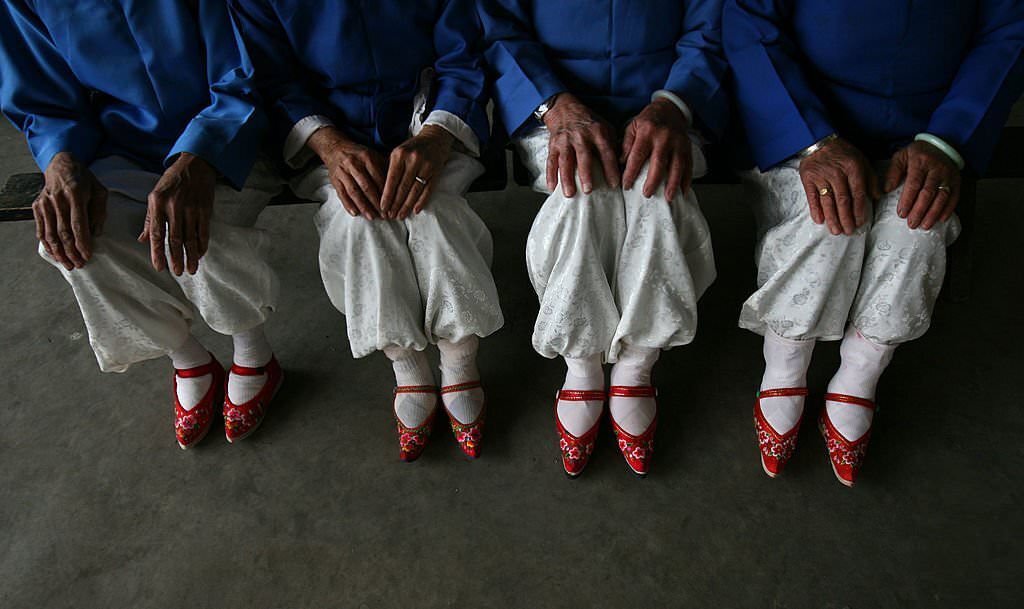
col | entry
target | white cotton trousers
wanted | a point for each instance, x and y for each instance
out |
(408, 283)
(884, 278)
(134, 313)
(614, 268)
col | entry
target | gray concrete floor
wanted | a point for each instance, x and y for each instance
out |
(99, 508)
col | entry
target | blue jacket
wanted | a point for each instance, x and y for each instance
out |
(612, 54)
(878, 72)
(143, 79)
(359, 63)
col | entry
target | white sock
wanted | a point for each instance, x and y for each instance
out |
(252, 350)
(584, 374)
(192, 354)
(412, 368)
(786, 362)
(458, 365)
(862, 365)
(634, 415)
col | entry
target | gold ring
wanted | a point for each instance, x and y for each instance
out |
(944, 188)
(825, 191)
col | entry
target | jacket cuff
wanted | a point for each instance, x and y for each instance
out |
(295, 152)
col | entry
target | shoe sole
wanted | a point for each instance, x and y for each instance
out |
(280, 383)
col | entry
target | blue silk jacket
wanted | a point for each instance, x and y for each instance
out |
(878, 72)
(612, 54)
(359, 62)
(143, 79)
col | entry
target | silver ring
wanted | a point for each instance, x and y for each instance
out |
(943, 188)
(421, 180)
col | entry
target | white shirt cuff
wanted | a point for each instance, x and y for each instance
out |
(675, 99)
(457, 127)
(296, 154)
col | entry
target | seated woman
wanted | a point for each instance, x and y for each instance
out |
(861, 116)
(125, 103)
(380, 106)
(618, 256)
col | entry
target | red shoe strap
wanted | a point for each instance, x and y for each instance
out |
(586, 395)
(416, 389)
(780, 393)
(246, 371)
(191, 373)
(849, 399)
(460, 387)
(622, 391)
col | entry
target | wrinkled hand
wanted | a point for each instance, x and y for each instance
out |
(356, 172)
(422, 156)
(576, 135)
(658, 134)
(931, 184)
(70, 211)
(178, 214)
(852, 184)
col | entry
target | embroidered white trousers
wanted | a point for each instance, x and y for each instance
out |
(614, 267)
(134, 313)
(408, 283)
(884, 279)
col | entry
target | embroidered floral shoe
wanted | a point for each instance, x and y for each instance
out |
(412, 440)
(575, 450)
(191, 426)
(467, 434)
(845, 455)
(240, 420)
(776, 448)
(637, 450)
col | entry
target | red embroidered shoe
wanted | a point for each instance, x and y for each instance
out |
(240, 420)
(412, 440)
(467, 434)
(576, 450)
(846, 456)
(190, 426)
(637, 450)
(776, 448)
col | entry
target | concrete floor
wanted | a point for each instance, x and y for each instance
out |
(99, 508)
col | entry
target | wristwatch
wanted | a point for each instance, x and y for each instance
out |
(544, 107)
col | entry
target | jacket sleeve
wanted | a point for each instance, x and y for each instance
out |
(990, 79)
(228, 132)
(39, 93)
(700, 69)
(524, 78)
(780, 110)
(280, 76)
(461, 80)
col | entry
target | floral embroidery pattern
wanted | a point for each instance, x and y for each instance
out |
(575, 451)
(636, 450)
(190, 425)
(413, 441)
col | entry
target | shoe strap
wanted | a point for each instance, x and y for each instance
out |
(240, 370)
(584, 395)
(191, 373)
(623, 391)
(781, 393)
(415, 389)
(460, 387)
(849, 399)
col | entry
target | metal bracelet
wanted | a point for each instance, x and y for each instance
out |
(816, 146)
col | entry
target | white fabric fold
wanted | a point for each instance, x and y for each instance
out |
(614, 267)
(132, 312)
(884, 278)
(296, 153)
